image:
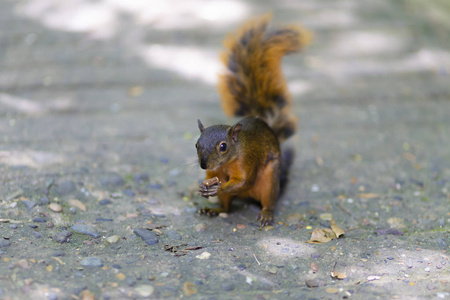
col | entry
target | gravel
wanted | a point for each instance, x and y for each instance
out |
(85, 229)
(146, 235)
(92, 262)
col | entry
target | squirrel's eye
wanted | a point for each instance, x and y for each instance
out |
(223, 147)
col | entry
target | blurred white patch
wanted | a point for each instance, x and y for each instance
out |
(285, 248)
(422, 61)
(31, 107)
(22, 105)
(29, 158)
(325, 18)
(299, 87)
(102, 18)
(365, 43)
(190, 62)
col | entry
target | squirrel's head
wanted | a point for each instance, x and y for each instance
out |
(216, 144)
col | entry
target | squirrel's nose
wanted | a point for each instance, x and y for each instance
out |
(203, 165)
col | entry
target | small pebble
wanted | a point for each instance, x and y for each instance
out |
(91, 262)
(77, 203)
(154, 186)
(128, 192)
(36, 234)
(13, 226)
(315, 255)
(87, 295)
(200, 227)
(39, 220)
(33, 226)
(314, 267)
(332, 290)
(112, 180)
(23, 264)
(130, 281)
(146, 235)
(144, 290)
(427, 269)
(52, 296)
(140, 178)
(29, 204)
(43, 200)
(105, 201)
(112, 239)
(65, 187)
(72, 210)
(311, 283)
(85, 229)
(50, 224)
(63, 236)
(4, 243)
(103, 220)
(204, 255)
(438, 266)
(227, 286)
(55, 207)
(390, 258)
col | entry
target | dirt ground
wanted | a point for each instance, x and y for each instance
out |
(99, 102)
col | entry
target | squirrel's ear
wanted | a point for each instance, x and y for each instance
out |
(234, 132)
(200, 125)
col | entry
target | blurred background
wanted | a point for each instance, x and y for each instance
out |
(99, 102)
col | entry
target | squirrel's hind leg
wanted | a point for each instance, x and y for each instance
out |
(267, 189)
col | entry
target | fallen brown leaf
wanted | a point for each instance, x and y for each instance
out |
(320, 236)
(337, 230)
(338, 275)
(325, 235)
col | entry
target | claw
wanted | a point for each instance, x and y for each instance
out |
(208, 191)
(210, 212)
(265, 217)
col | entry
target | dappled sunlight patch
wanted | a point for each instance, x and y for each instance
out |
(102, 18)
(299, 87)
(190, 62)
(30, 107)
(410, 266)
(366, 43)
(285, 247)
(425, 60)
(29, 158)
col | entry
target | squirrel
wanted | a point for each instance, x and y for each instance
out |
(244, 160)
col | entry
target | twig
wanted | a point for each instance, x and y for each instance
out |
(344, 209)
(256, 259)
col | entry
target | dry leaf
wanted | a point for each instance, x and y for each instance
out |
(338, 275)
(337, 230)
(323, 235)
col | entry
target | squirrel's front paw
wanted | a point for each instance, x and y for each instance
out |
(265, 217)
(208, 190)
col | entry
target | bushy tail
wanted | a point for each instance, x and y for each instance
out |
(254, 84)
